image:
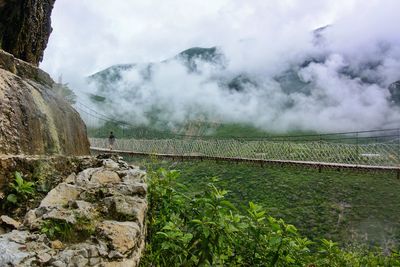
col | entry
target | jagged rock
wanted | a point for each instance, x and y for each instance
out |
(134, 189)
(115, 255)
(69, 213)
(11, 252)
(85, 208)
(122, 236)
(70, 179)
(123, 164)
(103, 177)
(25, 27)
(59, 264)
(79, 260)
(83, 178)
(94, 261)
(31, 220)
(61, 214)
(103, 249)
(124, 263)
(133, 175)
(44, 257)
(34, 119)
(57, 244)
(37, 245)
(41, 210)
(132, 208)
(110, 164)
(88, 250)
(19, 237)
(9, 221)
(66, 255)
(60, 195)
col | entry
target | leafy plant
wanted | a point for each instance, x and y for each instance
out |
(21, 189)
(66, 231)
(208, 230)
(57, 229)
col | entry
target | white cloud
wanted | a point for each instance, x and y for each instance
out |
(259, 37)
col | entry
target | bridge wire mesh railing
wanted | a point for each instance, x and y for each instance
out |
(364, 151)
(371, 148)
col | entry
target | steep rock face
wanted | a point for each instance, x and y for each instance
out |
(25, 27)
(33, 118)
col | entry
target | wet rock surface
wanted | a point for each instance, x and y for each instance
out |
(34, 119)
(101, 211)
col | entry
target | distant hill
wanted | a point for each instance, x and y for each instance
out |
(137, 82)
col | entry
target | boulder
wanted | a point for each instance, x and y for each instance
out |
(12, 248)
(83, 178)
(110, 164)
(56, 244)
(44, 257)
(133, 175)
(60, 195)
(127, 207)
(9, 221)
(122, 236)
(139, 189)
(31, 220)
(124, 263)
(104, 177)
(70, 179)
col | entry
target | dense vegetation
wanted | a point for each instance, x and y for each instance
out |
(205, 229)
(344, 206)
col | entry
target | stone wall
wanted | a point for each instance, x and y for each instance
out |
(104, 207)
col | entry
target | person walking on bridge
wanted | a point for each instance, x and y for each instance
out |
(111, 141)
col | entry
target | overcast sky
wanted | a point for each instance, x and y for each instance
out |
(262, 38)
(89, 35)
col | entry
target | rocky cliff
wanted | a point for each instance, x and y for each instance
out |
(25, 27)
(33, 118)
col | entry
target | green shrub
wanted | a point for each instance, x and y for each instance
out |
(57, 229)
(208, 230)
(20, 189)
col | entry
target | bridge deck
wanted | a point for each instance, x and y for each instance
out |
(260, 161)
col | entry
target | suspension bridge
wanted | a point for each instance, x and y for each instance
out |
(370, 150)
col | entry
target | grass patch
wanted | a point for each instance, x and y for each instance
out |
(68, 232)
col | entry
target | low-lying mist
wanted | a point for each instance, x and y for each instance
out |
(335, 78)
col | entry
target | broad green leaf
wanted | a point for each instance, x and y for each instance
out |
(18, 179)
(12, 198)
